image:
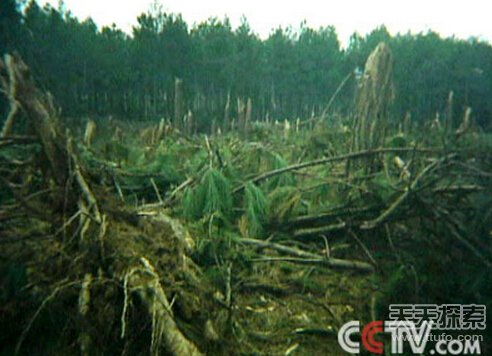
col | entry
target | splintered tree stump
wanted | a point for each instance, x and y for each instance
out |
(241, 115)
(90, 132)
(374, 96)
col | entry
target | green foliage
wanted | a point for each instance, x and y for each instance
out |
(477, 142)
(15, 279)
(211, 197)
(256, 210)
(380, 188)
(327, 138)
(252, 155)
(398, 289)
(283, 202)
(10, 25)
(282, 180)
(165, 165)
(398, 140)
(116, 152)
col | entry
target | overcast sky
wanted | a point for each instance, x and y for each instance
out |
(463, 18)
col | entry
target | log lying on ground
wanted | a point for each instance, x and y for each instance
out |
(371, 224)
(16, 140)
(261, 177)
(329, 217)
(145, 281)
(318, 231)
(311, 258)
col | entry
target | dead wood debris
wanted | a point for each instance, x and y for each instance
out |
(130, 268)
(75, 195)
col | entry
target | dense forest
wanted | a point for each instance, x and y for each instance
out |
(203, 191)
(291, 74)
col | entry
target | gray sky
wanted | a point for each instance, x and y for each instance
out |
(460, 18)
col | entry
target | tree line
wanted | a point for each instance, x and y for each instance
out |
(291, 74)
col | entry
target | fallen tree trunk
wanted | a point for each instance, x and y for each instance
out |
(318, 231)
(326, 218)
(145, 281)
(311, 257)
(348, 156)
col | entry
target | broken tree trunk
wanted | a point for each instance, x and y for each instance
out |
(312, 257)
(241, 115)
(188, 124)
(144, 280)
(90, 132)
(374, 96)
(348, 156)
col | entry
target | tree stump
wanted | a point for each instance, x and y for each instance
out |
(374, 96)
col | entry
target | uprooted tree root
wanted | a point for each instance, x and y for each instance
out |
(85, 254)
